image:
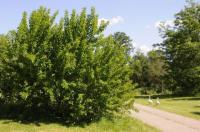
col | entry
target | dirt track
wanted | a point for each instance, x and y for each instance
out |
(165, 121)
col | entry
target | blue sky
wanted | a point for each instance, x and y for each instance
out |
(138, 18)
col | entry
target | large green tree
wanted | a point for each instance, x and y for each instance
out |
(182, 49)
(69, 67)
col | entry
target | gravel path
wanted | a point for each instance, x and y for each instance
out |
(165, 121)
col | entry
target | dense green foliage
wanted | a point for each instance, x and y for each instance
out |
(149, 71)
(123, 40)
(182, 50)
(66, 69)
(140, 66)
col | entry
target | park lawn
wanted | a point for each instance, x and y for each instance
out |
(119, 124)
(186, 106)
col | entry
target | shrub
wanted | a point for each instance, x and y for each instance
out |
(69, 68)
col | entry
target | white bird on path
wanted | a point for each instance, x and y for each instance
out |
(157, 101)
(150, 100)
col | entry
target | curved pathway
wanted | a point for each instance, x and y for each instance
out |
(165, 121)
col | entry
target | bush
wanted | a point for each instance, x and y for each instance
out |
(68, 69)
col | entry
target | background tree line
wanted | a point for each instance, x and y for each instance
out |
(175, 65)
(149, 71)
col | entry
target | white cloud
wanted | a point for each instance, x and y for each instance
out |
(157, 24)
(102, 19)
(160, 24)
(116, 20)
(144, 48)
(112, 21)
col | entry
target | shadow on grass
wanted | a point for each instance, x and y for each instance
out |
(165, 96)
(187, 98)
(197, 106)
(15, 113)
(10, 120)
(169, 96)
(36, 122)
(196, 113)
(46, 121)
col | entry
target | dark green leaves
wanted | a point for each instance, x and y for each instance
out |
(182, 49)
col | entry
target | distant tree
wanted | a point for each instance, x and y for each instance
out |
(123, 40)
(156, 70)
(149, 70)
(140, 67)
(3, 48)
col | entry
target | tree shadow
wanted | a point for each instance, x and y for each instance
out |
(46, 121)
(197, 106)
(196, 113)
(16, 113)
(36, 122)
(163, 96)
(187, 98)
(169, 96)
(10, 120)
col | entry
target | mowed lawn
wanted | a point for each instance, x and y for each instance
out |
(120, 124)
(186, 106)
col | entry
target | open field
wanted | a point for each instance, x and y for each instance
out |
(186, 106)
(125, 124)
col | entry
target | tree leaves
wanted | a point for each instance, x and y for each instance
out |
(181, 47)
(68, 67)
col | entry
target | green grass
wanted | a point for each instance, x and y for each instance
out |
(186, 106)
(120, 124)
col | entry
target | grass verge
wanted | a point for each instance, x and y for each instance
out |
(186, 106)
(117, 124)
